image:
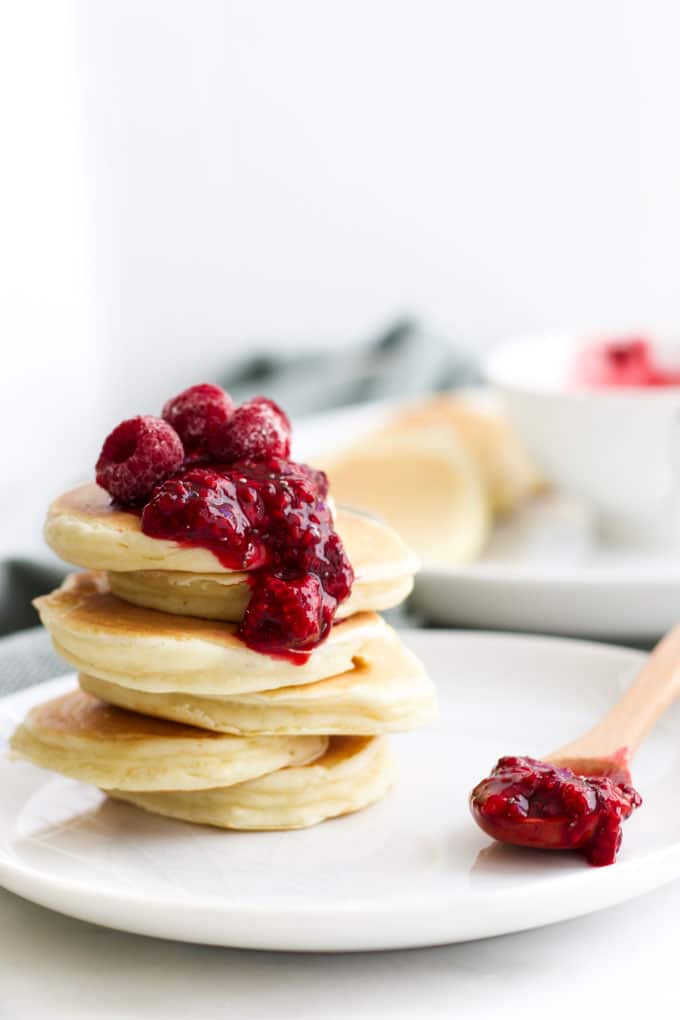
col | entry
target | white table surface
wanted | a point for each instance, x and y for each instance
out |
(620, 963)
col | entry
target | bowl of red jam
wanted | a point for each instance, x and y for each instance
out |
(599, 410)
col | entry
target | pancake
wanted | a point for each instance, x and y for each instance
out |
(83, 528)
(108, 638)
(353, 773)
(225, 596)
(84, 738)
(387, 690)
(508, 474)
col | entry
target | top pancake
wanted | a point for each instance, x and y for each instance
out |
(83, 528)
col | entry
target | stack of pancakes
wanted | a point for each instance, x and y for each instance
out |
(177, 715)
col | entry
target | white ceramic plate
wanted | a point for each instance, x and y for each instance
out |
(411, 871)
(545, 569)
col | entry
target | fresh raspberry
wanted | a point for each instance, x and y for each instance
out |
(192, 411)
(257, 430)
(136, 456)
(286, 614)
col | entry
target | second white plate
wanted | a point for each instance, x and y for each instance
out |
(412, 871)
(544, 570)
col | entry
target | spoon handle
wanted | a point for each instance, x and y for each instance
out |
(629, 721)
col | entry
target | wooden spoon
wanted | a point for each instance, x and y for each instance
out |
(608, 748)
(530, 803)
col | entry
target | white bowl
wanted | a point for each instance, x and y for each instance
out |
(615, 447)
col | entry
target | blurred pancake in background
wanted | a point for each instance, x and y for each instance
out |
(440, 472)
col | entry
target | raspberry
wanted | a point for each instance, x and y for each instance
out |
(288, 614)
(136, 456)
(193, 410)
(257, 430)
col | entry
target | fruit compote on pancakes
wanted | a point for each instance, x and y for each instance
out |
(239, 495)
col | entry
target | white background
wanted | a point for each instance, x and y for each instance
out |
(184, 180)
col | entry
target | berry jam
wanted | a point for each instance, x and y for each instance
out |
(268, 517)
(533, 803)
(628, 361)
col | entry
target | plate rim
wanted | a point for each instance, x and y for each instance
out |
(574, 577)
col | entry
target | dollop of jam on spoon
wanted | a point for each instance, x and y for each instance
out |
(579, 796)
(535, 803)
